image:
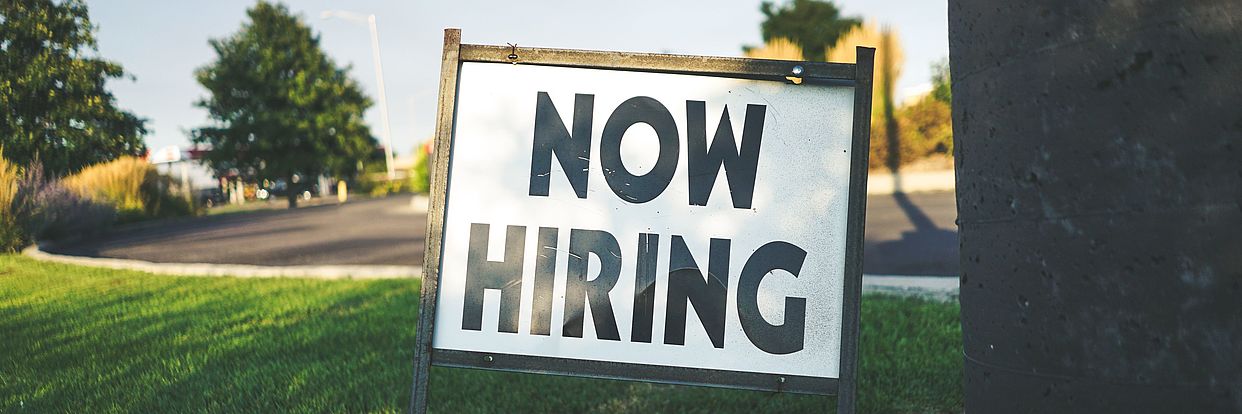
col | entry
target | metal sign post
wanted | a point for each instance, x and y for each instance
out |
(675, 219)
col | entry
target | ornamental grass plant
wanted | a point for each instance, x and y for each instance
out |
(133, 187)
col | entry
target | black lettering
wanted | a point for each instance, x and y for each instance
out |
(740, 165)
(595, 292)
(644, 287)
(687, 284)
(789, 336)
(644, 188)
(482, 274)
(545, 275)
(573, 151)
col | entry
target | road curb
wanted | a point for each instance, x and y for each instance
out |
(234, 270)
(882, 183)
(419, 202)
(941, 288)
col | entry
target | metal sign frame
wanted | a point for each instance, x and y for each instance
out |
(455, 53)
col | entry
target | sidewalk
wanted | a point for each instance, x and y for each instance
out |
(882, 182)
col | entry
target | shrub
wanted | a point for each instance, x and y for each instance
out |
(924, 128)
(118, 182)
(420, 175)
(386, 187)
(378, 185)
(54, 211)
(163, 197)
(35, 208)
(133, 187)
(928, 124)
(11, 234)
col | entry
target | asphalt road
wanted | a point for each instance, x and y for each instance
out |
(912, 235)
(372, 232)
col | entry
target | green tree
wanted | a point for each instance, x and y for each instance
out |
(54, 105)
(281, 108)
(941, 88)
(814, 25)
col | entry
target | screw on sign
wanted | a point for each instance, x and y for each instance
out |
(672, 219)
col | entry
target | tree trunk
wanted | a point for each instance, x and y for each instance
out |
(291, 192)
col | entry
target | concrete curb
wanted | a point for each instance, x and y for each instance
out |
(881, 183)
(942, 288)
(419, 202)
(234, 270)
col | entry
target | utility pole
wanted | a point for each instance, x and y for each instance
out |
(369, 20)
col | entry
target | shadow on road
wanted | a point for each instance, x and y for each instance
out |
(366, 232)
(907, 234)
(928, 250)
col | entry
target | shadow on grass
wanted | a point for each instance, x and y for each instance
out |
(910, 362)
(79, 339)
(158, 344)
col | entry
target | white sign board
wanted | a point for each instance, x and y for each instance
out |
(165, 155)
(679, 219)
(623, 253)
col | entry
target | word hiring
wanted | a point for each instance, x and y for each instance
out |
(686, 285)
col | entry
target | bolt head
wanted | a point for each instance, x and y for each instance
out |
(797, 70)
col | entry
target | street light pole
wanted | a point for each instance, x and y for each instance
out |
(379, 77)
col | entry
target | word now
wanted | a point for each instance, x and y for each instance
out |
(573, 149)
(686, 285)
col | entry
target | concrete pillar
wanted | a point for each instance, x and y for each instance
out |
(1099, 185)
(239, 188)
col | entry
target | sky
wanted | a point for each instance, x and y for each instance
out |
(160, 43)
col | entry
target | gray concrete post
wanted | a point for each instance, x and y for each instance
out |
(1099, 185)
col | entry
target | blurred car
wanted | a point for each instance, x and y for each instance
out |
(211, 197)
(279, 189)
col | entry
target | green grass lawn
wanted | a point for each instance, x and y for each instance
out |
(76, 339)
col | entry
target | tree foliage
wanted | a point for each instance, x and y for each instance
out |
(815, 25)
(941, 88)
(281, 108)
(54, 104)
